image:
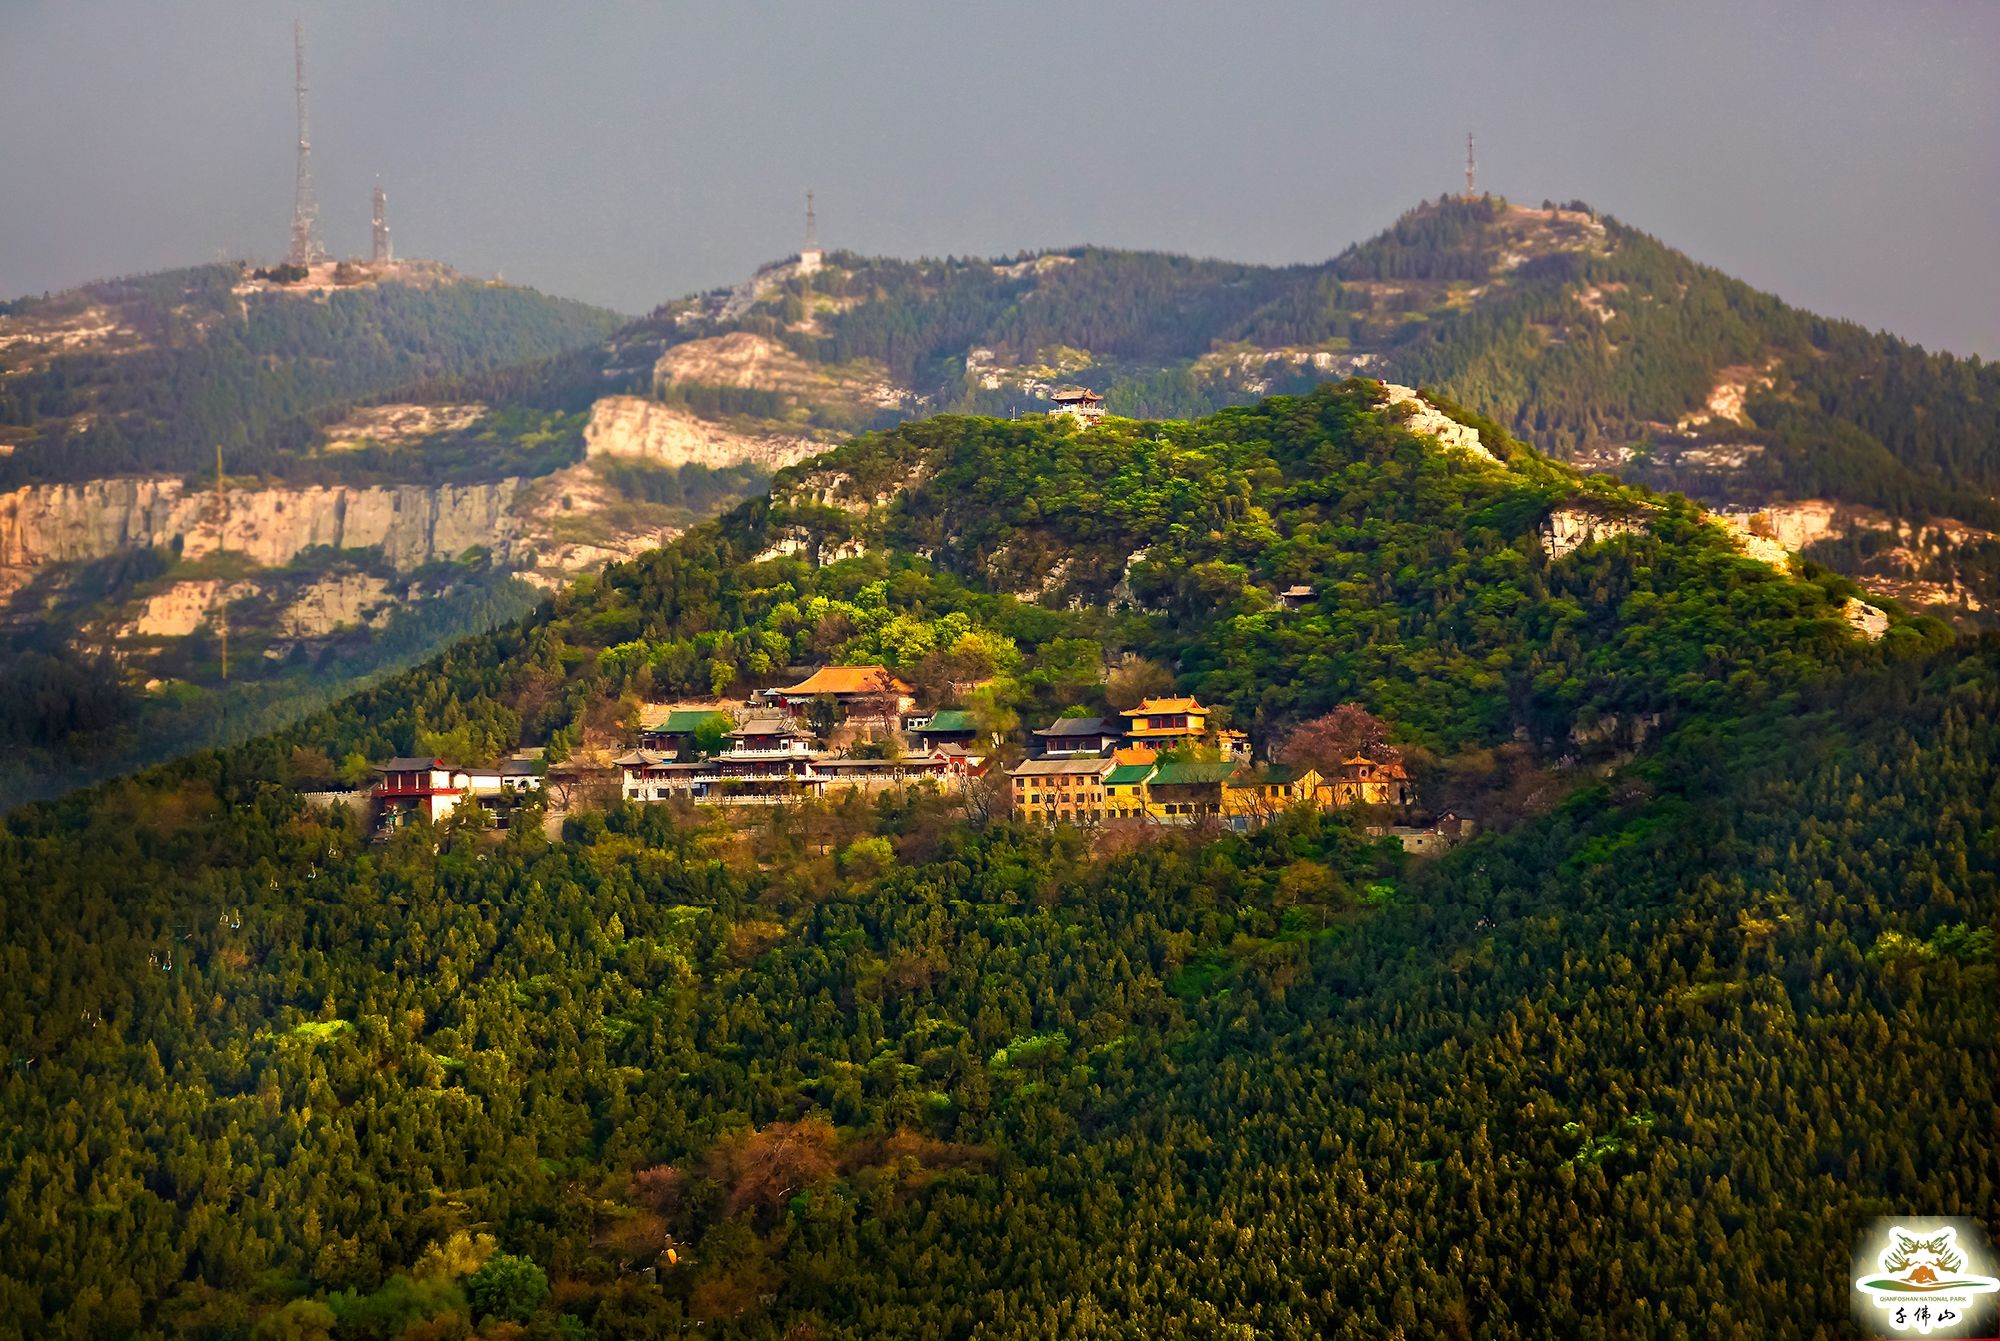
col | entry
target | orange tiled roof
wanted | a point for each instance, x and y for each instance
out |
(848, 680)
(1160, 705)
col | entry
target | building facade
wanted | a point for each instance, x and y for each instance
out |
(1060, 791)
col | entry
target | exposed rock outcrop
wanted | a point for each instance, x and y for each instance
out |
(393, 425)
(1865, 618)
(1568, 529)
(409, 524)
(631, 426)
(576, 522)
(1793, 526)
(335, 601)
(1752, 535)
(1733, 386)
(1432, 422)
(175, 612)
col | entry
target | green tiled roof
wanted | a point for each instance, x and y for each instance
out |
(1128, 774)
(676, 719)
(686, 719)
(1193, 770)
(952, 719)
(1277, 775)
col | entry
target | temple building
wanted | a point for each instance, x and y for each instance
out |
(426, 786)
(1078, 735)
(858, 690)
(1083, 405)
(1066, 791)
(1361, 781)
(1164, 724)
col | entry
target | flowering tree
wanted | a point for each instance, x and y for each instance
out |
(1323, 741)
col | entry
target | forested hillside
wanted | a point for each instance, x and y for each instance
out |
(112, 611)
(1589, 338)
(151, 374)
(1639, 1061)
(1597, 343)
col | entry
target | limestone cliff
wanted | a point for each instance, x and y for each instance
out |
(410, 524)
(1568, 529)
(1425, 418)
(631, 426)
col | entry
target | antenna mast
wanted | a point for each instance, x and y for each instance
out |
(1471, 167)
(812, 223)
(221, 534)
(306, 247)
(384, 253)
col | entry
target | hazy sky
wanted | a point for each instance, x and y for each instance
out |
(1844, 155)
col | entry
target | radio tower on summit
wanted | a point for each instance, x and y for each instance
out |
(306, 248)
(384, 253)
(810, 256)
(1471, 167)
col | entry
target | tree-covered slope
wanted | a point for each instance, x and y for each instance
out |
(1639, 1062)
(959, 549)
(1597, 342)
(149, 375)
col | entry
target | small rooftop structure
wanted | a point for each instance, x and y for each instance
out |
(1360, 780)
(1297, 596)
(1079, 403)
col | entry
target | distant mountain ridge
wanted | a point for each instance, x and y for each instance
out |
(328, 561)
(1582, 335)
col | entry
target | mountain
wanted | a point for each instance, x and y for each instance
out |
(337, 559)
(1712, 987)
(1594, 342)
(1586, 337)
(151, 374)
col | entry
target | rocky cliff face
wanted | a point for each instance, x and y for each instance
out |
(518, 522)
(631, 426)
(1422, 417)
(409, 524)
(1568, 529)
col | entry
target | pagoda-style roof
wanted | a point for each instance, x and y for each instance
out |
(768, 726)
(1157, 706)
(1388, 768)
(1125, 775)
(1075, 395)
(411, 764)
(1078, 726)
(841, 681)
